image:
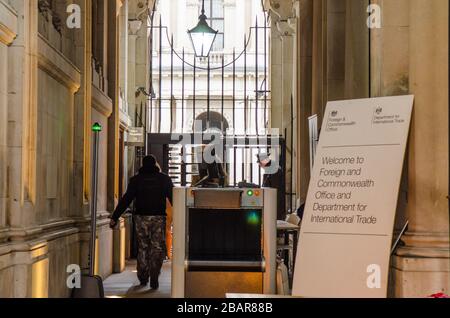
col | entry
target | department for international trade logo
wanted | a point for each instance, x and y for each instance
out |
(385, 116)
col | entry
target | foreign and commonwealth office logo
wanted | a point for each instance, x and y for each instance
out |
(334, 113)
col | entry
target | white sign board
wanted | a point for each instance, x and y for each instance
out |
(346, 235)
(135, 137)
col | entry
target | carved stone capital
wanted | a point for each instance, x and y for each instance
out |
(57, 23)
(8, 24)
(44, 8)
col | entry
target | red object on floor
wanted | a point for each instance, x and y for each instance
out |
(439, 295)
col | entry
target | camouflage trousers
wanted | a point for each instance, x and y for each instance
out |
(151, 238)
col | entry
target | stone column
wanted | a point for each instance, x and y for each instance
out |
(283, 66)
(356, 50)
(131, 94)
(304, 93)
(8, 32)
(336, 52)
(142, 63)
(192, 13)
(82, 115)
(180, 28)
(422, 266)
(22, 120)
(124, 50)
(82, 129)
(230, 31)
(113, 89)
(27, 266)
(390, 50)
(276, 71)
(319, 58)
(116, 23)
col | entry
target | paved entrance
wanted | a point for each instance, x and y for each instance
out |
(126, 284)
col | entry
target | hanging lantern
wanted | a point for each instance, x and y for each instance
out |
(202, 36)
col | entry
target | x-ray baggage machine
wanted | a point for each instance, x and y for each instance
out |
(224, 241)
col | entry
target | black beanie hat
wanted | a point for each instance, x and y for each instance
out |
(149, 161)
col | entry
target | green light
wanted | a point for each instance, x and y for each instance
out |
(97, 127)
(250, 193)
(253, 218)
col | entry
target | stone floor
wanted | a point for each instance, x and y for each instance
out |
(126, 284)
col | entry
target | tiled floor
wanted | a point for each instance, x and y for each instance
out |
(126, 284)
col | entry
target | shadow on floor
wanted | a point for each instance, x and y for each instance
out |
(126, 284)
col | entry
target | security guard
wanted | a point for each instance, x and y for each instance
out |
(274, 179)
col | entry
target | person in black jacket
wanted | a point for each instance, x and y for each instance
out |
(150, 190)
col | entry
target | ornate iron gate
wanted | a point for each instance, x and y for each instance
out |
(228, 91)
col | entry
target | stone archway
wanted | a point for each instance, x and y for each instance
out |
(215, 121)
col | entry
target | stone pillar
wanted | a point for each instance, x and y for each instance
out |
(82, 129)
(192, 13)
(114, 70)
(357, 72)
(319, 58)
(138, 64)
(421, 267)
(8, 32)
(123, 47)
(304, 93)
(284, 77)
(231, 29)
(26, 269)
(113, 89)
(142, 63)
(276, 71)
(22, 120)
(180, 29)
(390, 50)
(82, 114)
(335, 74)
(131, 94)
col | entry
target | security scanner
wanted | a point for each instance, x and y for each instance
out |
(224, 241)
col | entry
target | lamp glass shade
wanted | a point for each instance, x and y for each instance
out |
(202, 37)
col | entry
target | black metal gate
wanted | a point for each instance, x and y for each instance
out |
(166, 64)
(178, 160)
(227, 92)
(239, 106)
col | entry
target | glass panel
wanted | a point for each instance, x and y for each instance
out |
(217, 25)
(218, 43)
(202, 43)
(207, 7)
(217, 9)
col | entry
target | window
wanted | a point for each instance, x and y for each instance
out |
(214, 12)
